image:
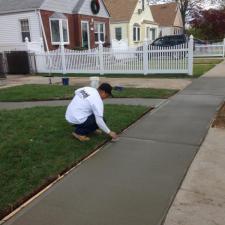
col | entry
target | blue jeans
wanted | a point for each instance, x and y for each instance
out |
(89, 126)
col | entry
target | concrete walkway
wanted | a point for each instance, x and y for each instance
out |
(178, 84)
(201, 198)
(134, 180)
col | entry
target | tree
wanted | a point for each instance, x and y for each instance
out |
(209, 24)
(190, 7)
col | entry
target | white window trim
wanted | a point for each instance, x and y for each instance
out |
(60, 30)
(136, 31)
(121, 33)
(24, 18)
(87, 22)
(96, 42)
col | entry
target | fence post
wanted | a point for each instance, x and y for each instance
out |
(145, 57)
(101, 61)
(223, 47)
(190, 55)
(27, 43)
(63, 58)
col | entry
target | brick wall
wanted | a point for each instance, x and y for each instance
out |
(74, 22)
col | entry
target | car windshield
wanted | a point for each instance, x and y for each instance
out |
(159, 41)
(170, 40)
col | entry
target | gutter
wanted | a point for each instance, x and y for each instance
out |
(18, 11)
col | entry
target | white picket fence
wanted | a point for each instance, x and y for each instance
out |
(210, 50)
(142, 60)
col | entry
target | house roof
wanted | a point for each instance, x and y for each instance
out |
(19, 5)
(78, 6)
(68, 6)
(121, 10)
(164, 14)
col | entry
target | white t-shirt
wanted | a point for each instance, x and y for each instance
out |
(86, 101)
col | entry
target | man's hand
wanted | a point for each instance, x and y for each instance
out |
(113, 135)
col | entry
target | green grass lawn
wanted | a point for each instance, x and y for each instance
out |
(144, 93)
(36, 145)
(54, 92)
(207, 60)
(200, 69)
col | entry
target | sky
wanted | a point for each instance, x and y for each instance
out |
(206, 5)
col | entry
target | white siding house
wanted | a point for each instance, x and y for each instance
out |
(10, 28)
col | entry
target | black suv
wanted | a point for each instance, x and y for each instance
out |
(166, 41)
(170, 40)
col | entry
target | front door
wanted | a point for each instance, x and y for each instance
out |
(85, 34)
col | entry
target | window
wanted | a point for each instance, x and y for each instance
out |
(99, 32)
(153, 33)
(85, 34)
(118, 33)
(25, 30)
(136, 33)
(56, 25)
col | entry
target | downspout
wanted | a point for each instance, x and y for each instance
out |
(46, 44)
(43, 30)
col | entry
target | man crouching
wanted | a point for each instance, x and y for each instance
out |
(86, 111)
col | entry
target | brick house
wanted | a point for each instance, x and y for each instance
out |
(78, 23)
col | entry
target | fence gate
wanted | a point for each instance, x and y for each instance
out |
(18, 62)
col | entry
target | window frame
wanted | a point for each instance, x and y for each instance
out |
(88, 32)
(153, 33)
(136, 33)
(60, 31)
(121, 34)
(99, 32)
(20, 24)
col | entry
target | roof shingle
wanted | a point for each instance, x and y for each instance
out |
(164, 14)
(19, 5)
(121, 10)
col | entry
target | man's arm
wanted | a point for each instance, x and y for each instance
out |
(101, 124)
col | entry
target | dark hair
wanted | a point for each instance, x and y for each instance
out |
(106, 88)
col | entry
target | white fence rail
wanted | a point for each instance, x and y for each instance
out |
(210, 50)
(145, 59)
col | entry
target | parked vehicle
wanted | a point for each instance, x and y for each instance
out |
(165, 42)
(199, 42)
(170, 40)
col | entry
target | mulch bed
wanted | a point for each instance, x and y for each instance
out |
(219, 122)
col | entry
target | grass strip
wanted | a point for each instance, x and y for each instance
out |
(36, 146)
(144, 93)
(33, 92)
(207, 60)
